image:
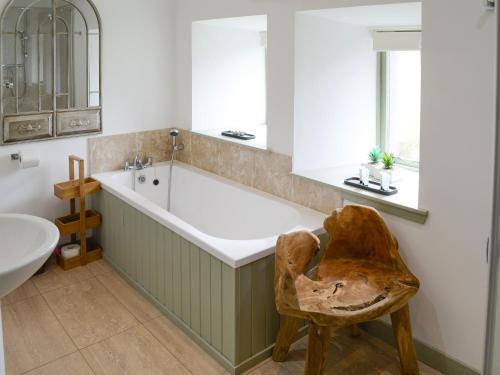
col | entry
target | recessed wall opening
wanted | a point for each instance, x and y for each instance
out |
(229, 63)
(357, 85)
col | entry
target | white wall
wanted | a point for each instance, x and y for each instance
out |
(458, 115)
(229, 78)
(335, 93)
(458, 107)
(138, 89)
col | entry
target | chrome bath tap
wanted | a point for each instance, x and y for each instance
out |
(138, 164)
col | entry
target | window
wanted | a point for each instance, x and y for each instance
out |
(338, 80)
(399, 105)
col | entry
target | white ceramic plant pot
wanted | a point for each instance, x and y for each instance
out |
(374, 169)
(378, 168)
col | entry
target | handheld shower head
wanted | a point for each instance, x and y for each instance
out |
(174, 133)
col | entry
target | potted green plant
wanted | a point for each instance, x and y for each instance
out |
(373, 164)
(388, 161)
(389, 167)
(375, 155)
(379, 162)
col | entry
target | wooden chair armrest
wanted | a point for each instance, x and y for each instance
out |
(294, 252)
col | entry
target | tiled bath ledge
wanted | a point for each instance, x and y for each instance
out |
(261, 169)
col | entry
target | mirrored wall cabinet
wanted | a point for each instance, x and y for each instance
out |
(51, 70)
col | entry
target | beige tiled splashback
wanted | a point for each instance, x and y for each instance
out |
(111, 152)
(260, 169)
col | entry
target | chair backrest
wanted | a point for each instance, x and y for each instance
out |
(359, 232)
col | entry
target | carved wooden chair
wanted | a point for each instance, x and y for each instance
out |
(359, 278)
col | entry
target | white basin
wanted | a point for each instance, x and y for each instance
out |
(26, 242)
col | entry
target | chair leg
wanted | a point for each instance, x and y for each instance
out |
(317, 349)
(288, 329)
(355, 331)
(401, 326)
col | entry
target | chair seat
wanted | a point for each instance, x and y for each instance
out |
(344, 291)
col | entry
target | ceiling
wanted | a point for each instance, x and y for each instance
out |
(251, 23)
(386, 15)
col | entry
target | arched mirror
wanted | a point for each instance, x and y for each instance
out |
(50, 69)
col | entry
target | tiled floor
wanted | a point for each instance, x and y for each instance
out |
(90, 321)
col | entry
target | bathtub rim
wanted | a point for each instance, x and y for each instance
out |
(234, 253)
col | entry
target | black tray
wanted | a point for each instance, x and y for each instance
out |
(373, 186)
(238, 135)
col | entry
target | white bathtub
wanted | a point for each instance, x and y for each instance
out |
(234, 223)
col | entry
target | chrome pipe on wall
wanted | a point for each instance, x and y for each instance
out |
(174, 133)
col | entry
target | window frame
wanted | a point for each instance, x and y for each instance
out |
(383, 108)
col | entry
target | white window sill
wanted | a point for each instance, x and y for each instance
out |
(403, 204)
(259, 142)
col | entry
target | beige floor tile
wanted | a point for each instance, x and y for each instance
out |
(134, 351)
(32, 336)
(183, 348)
(98, 314)
(379, 347)
(426, 370)
(270, 367)
(25, 291)
(141, 308)
(100, 268)
(55, 278)
(295, 360)
(361, 361)
(354, 355)
(350, 356)
(394, 369)
(73, 364)
(88, 312)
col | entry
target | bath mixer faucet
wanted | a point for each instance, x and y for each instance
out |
(138, 164)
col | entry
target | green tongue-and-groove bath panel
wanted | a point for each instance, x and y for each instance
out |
(230, 310)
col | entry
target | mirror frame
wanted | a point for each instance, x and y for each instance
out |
(89, 118)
